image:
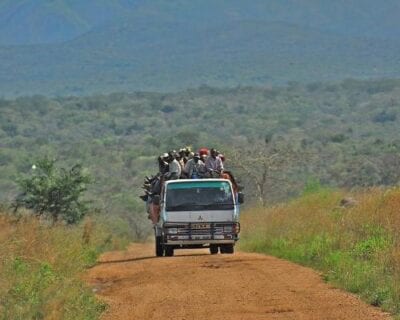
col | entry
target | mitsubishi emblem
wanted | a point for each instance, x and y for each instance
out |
(200, 218)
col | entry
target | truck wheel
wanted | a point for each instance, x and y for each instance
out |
(213, 249)
(230, 249)
(159, 247)
(169, 251)
(227, 248)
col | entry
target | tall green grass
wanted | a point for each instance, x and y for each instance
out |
(41, 268)
(356, 247)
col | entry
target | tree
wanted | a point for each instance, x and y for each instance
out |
(271, 169)
(54, 193)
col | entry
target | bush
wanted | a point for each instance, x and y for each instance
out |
(54, 192)
(384, 116)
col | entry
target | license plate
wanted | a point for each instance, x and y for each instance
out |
(205, 237)
(201, 226)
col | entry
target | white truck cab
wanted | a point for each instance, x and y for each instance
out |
(197, 213)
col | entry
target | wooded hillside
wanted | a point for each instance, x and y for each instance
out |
(343, 134)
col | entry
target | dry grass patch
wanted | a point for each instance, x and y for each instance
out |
(41, 268)
(356, 247)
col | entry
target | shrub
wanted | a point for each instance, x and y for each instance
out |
(338, 138)
(54, 192)
(384, 116)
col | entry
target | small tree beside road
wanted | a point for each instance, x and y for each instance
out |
(54, 192)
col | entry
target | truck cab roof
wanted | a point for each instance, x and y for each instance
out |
(197, 180)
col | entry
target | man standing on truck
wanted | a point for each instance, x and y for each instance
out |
(214, 163)
(174, 168)
(163, 163)
(195, 168)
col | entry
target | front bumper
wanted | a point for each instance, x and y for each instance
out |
(201, 233)
(197, 242)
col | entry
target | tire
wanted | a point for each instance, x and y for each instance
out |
(169, 251)
(159, 247)
(227, 248)
(213, 249)
(230, 249)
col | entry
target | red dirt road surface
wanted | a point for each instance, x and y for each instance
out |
(197, 285)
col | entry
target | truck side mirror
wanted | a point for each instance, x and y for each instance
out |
(240, 197)
(156, 200)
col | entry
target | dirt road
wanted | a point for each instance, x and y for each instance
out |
(196, 285)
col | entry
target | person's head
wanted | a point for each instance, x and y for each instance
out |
(196, 157)
(164, 157)
(171, 156)
(203, 151)
(213, 153)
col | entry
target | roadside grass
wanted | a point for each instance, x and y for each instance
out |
(41, 268)
(356, 248)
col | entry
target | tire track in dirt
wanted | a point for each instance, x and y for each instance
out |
(197, 285)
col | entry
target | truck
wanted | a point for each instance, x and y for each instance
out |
(196, 213)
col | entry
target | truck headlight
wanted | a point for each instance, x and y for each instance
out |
(172, 230)
(227, 229)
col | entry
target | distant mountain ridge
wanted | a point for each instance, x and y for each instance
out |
(25, 22)
(160, 45)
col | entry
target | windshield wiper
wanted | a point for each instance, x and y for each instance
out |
(216, 205)
(182, 205)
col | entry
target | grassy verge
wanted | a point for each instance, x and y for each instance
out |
(357, 247)
(41, 268)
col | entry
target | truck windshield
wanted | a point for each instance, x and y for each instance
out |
(197, 196)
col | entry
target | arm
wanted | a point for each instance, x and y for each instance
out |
(220, 165)
(208, 164)
(187, 167)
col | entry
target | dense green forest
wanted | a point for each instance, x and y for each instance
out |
(336, 134)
